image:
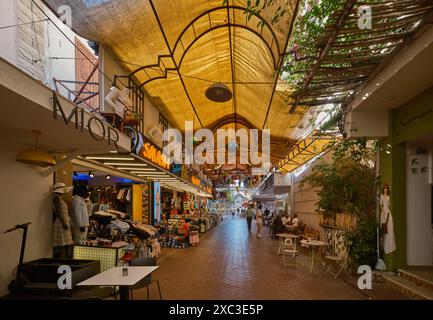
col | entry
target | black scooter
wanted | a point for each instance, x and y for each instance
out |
(20, 280)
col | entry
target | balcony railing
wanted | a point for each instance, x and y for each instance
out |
(81, 97)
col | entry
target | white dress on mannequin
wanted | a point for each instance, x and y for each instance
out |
(389, 238)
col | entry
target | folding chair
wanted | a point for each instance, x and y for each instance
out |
(288, 248)
(341, 261)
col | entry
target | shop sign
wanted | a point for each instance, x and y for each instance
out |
(407, 120)
(154, 154)
(415, 119)
(195, 181)
(98, 130)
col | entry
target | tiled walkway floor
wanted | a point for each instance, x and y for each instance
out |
(230, 264)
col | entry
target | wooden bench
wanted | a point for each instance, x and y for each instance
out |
(310, 234)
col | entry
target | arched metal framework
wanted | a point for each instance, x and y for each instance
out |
(176, 57)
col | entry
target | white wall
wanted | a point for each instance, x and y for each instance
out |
(19, 45)
(58, 46)
(281, 179)
(305, 199)
(31, 40)
(25, 197)
(151, 116)
(110, 68)
(418, 212)
(8, 44)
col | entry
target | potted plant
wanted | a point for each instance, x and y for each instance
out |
(132, 118)
(346, 188)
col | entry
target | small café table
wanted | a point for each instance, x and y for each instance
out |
(114, 277)
(313, 245)
(282, 236)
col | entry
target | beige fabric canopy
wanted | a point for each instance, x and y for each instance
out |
(182, 47)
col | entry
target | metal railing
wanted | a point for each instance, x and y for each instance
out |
(80, 97)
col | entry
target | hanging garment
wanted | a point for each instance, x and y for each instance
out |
(119, 225)
(128, 195)
(386, 220)
(150, 230)
(155, 248)
(61, 236)
(119, 214)
(119, 244)
(80, 219)
(104, 207)
(94, 208)
(80, 213)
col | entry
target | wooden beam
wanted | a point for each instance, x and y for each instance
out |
(331, 40)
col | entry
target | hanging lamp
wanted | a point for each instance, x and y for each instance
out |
(218, 92)
(36, 156)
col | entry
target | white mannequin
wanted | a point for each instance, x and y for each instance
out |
(386, 218)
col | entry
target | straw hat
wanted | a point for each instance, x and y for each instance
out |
(61, 188)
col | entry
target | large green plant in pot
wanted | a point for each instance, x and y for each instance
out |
(347, 184)
(343, 186)
(361, 244)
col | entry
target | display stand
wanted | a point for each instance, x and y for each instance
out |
(108, 257)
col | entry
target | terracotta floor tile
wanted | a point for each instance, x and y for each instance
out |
(231, 264)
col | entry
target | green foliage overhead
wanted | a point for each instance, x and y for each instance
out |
(348, 182)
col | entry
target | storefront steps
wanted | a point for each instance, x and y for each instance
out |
(415, 282)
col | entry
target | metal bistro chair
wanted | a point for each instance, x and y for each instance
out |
(341, 260)
(147, 281)
(288, 248)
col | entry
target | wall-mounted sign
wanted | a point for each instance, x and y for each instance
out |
(98, 129)
(414, 119)
(195, 181)
(154, 154)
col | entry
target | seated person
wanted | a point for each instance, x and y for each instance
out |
(294, 224)
(285, 219)
(278, 226)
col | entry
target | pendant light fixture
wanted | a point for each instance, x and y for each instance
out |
(218, 92)
(36, 156)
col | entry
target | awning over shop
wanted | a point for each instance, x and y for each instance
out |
(138, 169)
(304, 151)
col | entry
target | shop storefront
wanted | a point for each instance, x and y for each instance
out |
(184, 217)
(40, 134)
(119, 192)
(275, 194)
(406, 167)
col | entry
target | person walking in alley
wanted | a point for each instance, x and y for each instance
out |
(259, 221)
(250, 214)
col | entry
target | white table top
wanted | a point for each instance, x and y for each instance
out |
(313, 243)
(114, 277)
(287, 235)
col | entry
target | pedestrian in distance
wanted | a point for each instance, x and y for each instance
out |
(250, 214)
(259, 221)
